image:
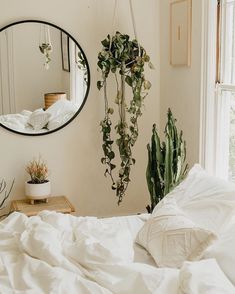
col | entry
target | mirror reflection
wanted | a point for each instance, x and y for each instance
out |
(44, 78)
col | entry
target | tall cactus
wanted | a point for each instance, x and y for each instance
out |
(166, 162)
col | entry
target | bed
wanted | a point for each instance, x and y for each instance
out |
(57, 253)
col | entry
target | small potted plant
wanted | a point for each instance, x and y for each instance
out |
(38, 187)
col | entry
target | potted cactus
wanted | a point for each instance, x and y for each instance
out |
(166, 162)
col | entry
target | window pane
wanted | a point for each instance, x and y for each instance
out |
(232, 138)
(228, 42)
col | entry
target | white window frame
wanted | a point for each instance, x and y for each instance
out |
(208, 127)
(214, 135)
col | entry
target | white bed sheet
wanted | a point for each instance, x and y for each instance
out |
(57, 253)
(133, 223)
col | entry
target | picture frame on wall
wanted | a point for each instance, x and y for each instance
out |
(180, 32)
(65, 52)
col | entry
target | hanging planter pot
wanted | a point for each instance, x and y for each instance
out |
(126, 60)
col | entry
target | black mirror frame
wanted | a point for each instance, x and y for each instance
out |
(88, 75)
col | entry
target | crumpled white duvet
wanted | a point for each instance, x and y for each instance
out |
(19, 122)
(56, 253)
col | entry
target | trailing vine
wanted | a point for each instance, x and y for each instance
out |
(125, 59)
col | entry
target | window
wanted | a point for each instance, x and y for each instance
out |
(78, 76)
(217, 130)
(225, 90)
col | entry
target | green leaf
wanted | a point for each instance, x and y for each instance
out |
(103, 160)
(114, 187)
(110, 110)
(112, 166)
(106, 172)
(147, 85)
(128, 80)
(106, 42)
(99, 85)
(111, 155)
(151, 66)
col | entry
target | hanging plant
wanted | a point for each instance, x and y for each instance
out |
(125, 59)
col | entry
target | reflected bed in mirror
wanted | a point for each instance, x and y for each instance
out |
(44, 77)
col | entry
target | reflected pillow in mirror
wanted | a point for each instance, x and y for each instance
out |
(59, 120)
(60, 108)
(26, 112)
(39, 119)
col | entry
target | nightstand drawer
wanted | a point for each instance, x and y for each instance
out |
(58, 204)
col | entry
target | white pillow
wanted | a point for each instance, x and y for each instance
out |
(203, 277)
(59, 120)
(26, 112)
(171, 238)
(39, 119)
(199, 185)
(60, 108)
(206, 200)
(223, 250)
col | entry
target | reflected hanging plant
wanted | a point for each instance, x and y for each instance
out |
(45, 45)
(81, 64)
(126, 60)
(46, 50)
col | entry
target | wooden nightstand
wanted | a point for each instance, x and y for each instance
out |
(59, 204)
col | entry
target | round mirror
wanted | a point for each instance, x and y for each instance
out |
(44, 77)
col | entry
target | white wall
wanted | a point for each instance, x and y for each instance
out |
(73, 154)
(181, 86)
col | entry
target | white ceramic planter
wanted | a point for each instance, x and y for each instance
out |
(38, 191)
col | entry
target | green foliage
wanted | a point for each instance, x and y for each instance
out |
(166, 162)
(125, 59)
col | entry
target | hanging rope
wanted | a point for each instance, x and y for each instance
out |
(133, 19)
(113, 23)
(44, 36)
